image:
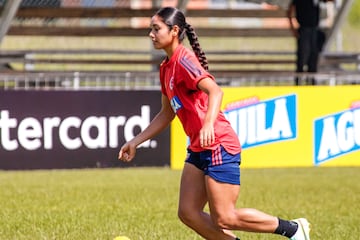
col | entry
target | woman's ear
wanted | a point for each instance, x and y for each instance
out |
(175, 30)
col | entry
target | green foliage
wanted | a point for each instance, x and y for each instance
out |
(354, 14)
(141, 203)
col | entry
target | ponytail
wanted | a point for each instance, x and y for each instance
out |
(195, 45)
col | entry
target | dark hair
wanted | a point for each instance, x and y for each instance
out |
(173, 16)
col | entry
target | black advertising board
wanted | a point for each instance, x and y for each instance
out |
(77, 129)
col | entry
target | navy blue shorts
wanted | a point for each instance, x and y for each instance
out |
(218, 164)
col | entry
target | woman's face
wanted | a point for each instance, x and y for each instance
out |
(162, 37)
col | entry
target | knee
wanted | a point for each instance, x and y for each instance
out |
(186, 215)
(182, 215)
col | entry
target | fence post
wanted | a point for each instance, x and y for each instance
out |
(76, 80)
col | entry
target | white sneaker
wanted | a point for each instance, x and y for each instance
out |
(303, 231)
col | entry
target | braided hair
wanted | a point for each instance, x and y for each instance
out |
(173, 16)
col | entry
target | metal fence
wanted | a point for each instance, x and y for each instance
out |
(150, 80)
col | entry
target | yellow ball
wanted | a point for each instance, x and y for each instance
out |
(121, 238)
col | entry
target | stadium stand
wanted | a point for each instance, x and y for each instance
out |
(120, 18)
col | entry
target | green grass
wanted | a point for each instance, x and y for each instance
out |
(141, 203)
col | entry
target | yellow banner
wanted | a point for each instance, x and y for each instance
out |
(289, 126)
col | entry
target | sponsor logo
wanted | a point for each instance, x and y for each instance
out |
(72, 132)
(262, 122)
(175, 104)
(337, 134)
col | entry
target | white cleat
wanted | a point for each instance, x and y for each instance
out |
(303, 231)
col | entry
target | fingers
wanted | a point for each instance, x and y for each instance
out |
(123, 156)
(126, 154)
(207, 138)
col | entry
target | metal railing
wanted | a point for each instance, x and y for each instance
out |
(150, 80)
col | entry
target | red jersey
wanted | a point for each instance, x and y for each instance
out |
(179, 77)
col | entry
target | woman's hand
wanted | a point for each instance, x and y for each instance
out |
(207, 135)
(127, 152)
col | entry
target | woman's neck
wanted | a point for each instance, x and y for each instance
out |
(171, 49)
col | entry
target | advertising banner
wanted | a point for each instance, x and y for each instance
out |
(77, 129)
(289, 126)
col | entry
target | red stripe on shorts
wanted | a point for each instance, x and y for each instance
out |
(216, 156)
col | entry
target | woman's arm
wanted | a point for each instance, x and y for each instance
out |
(207, 133)
(159, 123)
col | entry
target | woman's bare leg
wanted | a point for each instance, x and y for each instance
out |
(222, 199)
(193, 198)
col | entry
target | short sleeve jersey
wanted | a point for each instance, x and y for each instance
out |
(179, 77)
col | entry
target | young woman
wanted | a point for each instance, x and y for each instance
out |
(211, 173)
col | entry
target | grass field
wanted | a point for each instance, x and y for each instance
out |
(141, 203)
